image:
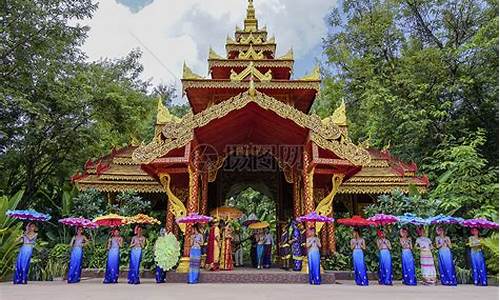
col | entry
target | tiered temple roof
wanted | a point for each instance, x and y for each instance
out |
(250, 91)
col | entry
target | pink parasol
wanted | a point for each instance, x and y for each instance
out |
(356, 221)
(78, 222)
(383, 219)
(194, 218)
(480, 223)
(30, 215)
(314, 217)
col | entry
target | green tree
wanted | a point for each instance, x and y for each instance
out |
(57, 110)
(414, 73)
(465, 185)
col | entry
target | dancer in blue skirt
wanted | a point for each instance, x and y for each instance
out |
(385, 259)
(195, 256)
(24, 256)
(358, 258)
(445, 257)
(407, 261)
(479, 273)
(75, 261)
(136, 244)
(113, 263)
(313, 257)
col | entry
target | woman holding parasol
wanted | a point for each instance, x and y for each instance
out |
(424, 244)
(196, 243)
(478, 265)
(115, 242)
(313, 245)
(384, 248)
(76, 244)
(28, 238)
(445, 257)
(358, 245)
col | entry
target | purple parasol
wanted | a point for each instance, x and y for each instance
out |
(194, 218)
(314, 217)
(78, 222)
(383, 219)
(480, 223)
(30, 214)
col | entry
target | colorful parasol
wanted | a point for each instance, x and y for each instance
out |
(252, 218)
(78, 222)
(30, 214)
(226, 212)
(383, 219)
(258, 225)
(409, 218)
(141, 219)
(314, 217)
(194, 218)
(480, 223)
(111, 220)
(442, 219)
(356, 221)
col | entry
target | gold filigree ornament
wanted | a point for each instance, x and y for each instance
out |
(338, 117)
(176, 135)
(314, 75)
(213, 55)
(188, 74)
(251, 54)
(251, 39)
(252, 71)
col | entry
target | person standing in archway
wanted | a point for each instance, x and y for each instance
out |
(213, 250)
(268, 248)
(296, 241)
(284, 246)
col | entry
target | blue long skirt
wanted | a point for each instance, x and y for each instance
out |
(267, 255)
(75, 265)
(260, 254)
(479, 273)
(314, 262)
(23, 264)
(384, 267)
(160, 275)
(194, 265)
(135, 263)
(408, 266)
(112, 266)
(446, 267)
(358, 261)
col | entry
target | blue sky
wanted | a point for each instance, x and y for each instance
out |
(170, 32)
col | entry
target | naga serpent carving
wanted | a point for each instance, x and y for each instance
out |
(175, 204)
(325, 207)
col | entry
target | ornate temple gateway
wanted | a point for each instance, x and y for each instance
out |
(250, 126)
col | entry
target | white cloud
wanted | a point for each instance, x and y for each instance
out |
(171, 32)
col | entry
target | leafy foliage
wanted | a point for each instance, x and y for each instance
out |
(464, 182)
(10, 231)
(89, 204)
(414, 73)
(491, 244)
(130, 203)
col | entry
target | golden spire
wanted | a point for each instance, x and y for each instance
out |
(338, 117)
(163, 115)
(250, 23)
(188, 74)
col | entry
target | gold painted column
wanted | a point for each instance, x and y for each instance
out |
(307, 177)
(296, 196)
(170, 220)
(332, 244)
(204, 194)
(192, 204)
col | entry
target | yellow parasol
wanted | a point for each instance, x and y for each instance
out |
(258, 225)
(141, 219)
(224, 212)
(110, 220)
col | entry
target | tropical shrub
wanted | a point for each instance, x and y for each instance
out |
(491, 250)
(337, 262)
(129, 204)
(10, 231)
(89, 204)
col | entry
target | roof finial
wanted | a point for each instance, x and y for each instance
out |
(250, 23)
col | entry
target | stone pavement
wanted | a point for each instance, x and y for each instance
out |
(94, 289)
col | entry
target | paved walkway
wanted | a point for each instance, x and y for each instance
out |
(94, 289)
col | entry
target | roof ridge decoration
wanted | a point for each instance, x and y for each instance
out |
(188, 74)
(175, 135)
(163, 115)
(314, 75)
(339, 116)
(251, 39)
(251, 71)
(251, 54)
(213, 55)
(287, 56)
(230, 40)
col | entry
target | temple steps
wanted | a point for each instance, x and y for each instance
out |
(239, 275)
